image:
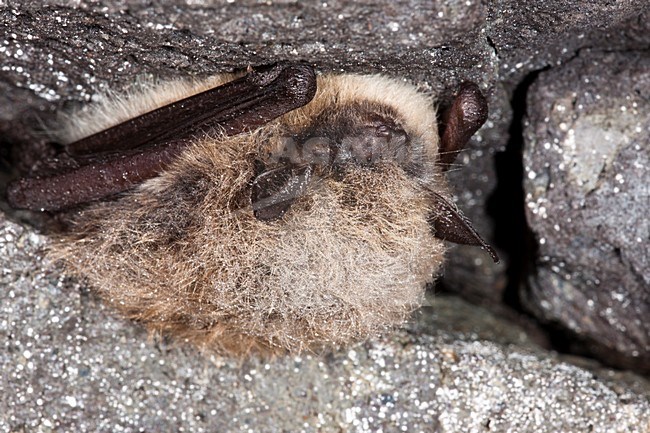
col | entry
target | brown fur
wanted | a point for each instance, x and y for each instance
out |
(184, 254)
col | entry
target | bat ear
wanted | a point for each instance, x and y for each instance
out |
(467, 113)
(274, 191)
(449, 224)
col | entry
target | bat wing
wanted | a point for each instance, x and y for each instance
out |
(451, 225)
(148, 143)
(274, 191)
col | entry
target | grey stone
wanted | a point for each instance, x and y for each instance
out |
(69, 365)
(587, 162)
(533, 35)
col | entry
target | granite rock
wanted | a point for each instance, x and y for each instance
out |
(587, 161)
(69, 365)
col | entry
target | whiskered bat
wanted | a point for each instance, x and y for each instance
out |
(276, 210)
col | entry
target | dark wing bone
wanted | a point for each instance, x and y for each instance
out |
(274, 191)
(451, 225)
(243, 104)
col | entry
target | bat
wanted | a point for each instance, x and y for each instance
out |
(273, 211)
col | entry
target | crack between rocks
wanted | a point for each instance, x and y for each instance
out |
(492, 45)
(507, 204)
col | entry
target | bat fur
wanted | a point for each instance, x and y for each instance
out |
(184, 255)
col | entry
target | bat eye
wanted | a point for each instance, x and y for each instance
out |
(382, 131)
(387, 130)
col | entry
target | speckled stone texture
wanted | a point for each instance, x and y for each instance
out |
(69, 365)
(587, 162)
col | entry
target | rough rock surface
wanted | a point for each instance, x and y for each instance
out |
(69, 365)
(587, 162)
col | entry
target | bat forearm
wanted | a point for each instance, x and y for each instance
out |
(91, 182)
